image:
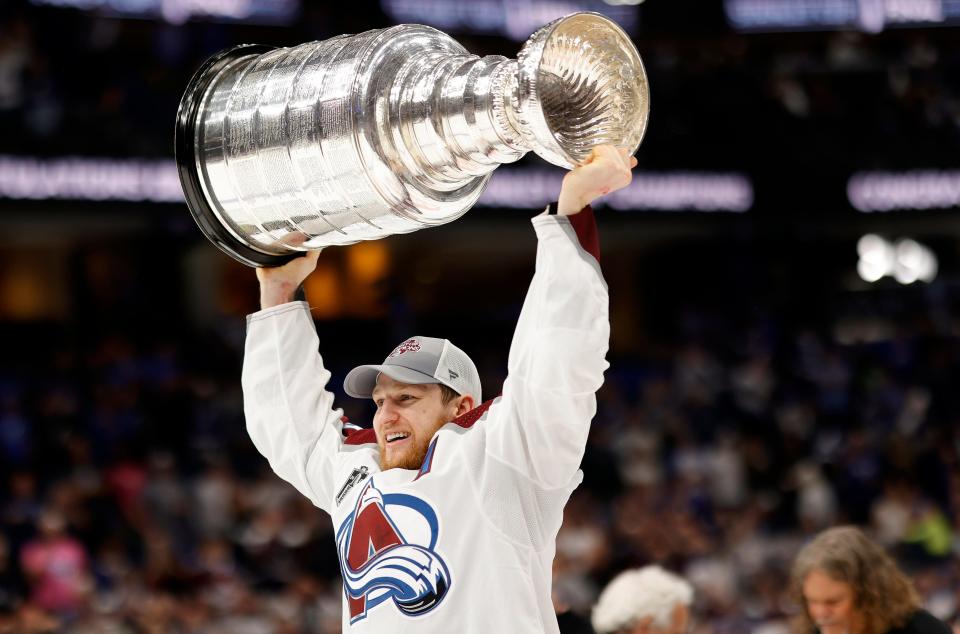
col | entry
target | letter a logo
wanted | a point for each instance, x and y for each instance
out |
(379, 561)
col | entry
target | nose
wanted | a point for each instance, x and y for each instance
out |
(819, 613)
(387, 413)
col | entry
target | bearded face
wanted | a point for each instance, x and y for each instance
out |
(407, 418)
(406, 453)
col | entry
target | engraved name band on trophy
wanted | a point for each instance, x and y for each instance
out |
(363, 136)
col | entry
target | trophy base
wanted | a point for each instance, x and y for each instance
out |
(185, 151)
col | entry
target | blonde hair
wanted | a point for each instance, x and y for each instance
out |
(882, 593)
(637, 594)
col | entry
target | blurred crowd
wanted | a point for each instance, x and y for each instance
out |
(724, 459)
(134, 502)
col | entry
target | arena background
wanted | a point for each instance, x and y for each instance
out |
(773, 371)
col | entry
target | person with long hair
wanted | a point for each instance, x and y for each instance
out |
(847, 584)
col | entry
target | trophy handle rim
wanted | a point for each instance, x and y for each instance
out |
(529, 60)
(185, 155)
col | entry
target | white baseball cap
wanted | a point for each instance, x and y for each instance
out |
(419, 361)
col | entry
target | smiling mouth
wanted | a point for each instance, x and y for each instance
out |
(394, 437)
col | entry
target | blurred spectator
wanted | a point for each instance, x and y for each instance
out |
(57, 568)
(846, 584)
(649, 600)
(11, 581)
(15, 432)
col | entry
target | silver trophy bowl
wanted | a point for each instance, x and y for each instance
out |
(358, 137)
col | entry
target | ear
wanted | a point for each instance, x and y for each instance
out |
(464, 404)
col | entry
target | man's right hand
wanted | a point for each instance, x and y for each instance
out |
(606, 170)
(279, 284)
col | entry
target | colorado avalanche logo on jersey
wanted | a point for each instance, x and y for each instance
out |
(410, 345)
(386, 548)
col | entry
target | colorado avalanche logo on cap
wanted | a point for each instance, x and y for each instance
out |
(386, 548)
(410, 345)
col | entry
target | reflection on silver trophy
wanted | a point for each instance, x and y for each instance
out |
(364, 136)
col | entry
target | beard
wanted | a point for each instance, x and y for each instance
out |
(412, 457)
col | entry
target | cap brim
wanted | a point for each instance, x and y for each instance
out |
(361, 380)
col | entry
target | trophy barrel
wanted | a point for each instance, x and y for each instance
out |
(328, 143)
(203, 212)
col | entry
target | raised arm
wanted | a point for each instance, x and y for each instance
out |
(290, 414)
(279, 284)
(557, 357)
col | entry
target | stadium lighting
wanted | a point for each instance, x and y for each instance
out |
(515, 19)
(915, 189)
(180, 11)
(86, 178)
(914, 262)
(876, 258)
(870, 16)
(907, 261)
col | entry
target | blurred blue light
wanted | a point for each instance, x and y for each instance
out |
(867, 15)
(516, 19)
(136, 180)
(180, 11)
(916, 189)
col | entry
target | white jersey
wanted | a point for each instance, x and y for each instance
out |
(466, 543)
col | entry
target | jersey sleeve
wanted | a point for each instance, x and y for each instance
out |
(557, 357)
(289, 412)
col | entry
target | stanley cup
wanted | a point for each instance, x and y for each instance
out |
(363, 136)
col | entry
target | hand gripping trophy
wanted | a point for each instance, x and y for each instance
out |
(362, 136)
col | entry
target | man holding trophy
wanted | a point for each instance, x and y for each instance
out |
(446, 512)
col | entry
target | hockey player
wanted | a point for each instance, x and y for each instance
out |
(446, 512)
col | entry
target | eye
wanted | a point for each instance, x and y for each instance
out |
(378, 402)
(406, 397)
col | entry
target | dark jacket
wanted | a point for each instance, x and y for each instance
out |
(922, 622)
